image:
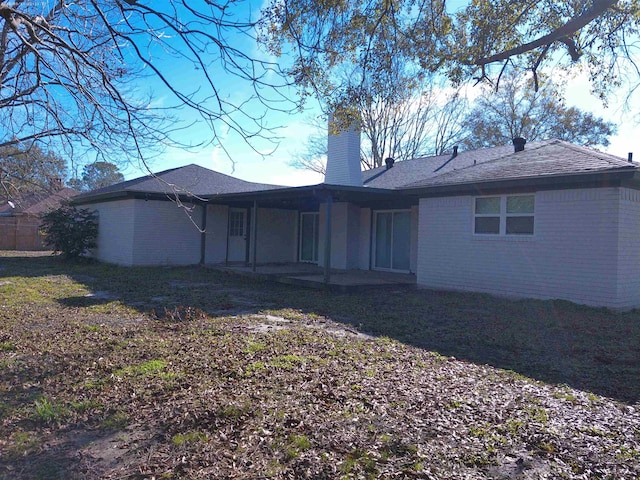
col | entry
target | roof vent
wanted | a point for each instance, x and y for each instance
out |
(518, 144)
(389, 162)
(455, 152)
(630, 157)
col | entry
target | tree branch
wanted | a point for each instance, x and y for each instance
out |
(561, 34)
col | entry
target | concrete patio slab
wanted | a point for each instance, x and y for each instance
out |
(312, 276)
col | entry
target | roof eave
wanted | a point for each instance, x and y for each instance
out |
(128, 194)
(577, 180)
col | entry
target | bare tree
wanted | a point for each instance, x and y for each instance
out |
(356, 59)
(313, 155)
(427, 125)
(448, 123)
(517, 110)
(72, 74)
(396, 127)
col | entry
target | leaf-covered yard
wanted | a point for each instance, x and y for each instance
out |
(109, 372)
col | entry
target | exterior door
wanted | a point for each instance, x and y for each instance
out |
(392, 240)
(237, 246)
(309, 227)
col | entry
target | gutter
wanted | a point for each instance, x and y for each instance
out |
(609, 178)
(124, 195)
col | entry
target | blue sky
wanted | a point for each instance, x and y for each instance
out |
(262, 161)
(271, 165)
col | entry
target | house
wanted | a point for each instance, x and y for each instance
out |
(543, 220)
(20, 217)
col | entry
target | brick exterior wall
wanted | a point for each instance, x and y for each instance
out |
(115, 231)
(343, 158)
(629, 249)
(277, 237)
(217, 224)
(573, 254)
(139, 232)
(166, 234)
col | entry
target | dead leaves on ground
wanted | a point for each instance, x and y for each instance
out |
(207, 401)
(285, 394)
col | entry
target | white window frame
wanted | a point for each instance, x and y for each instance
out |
(503, 215)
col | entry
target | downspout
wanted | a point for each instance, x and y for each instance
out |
(203, 234)
(327, 242)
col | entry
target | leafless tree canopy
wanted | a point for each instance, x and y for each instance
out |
(73, 74)
(517, 110)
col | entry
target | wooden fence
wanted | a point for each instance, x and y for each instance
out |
(21, 233)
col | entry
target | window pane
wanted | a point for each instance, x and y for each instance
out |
(487, 225)
(401, 240)
(383, 240)
(520, 204)
(236, 224)
(487, 205)
(519, 225)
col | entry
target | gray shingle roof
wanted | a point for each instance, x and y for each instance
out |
(538, 160)
(189, 180)
(420, 169)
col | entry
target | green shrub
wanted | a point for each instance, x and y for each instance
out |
(70, 231)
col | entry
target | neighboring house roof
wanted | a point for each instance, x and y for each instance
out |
(190, 180)
(538, 160)
(36, 203)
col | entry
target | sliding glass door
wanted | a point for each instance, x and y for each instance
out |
(392, 240)
(309, 228)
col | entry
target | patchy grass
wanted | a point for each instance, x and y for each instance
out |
(109, 372)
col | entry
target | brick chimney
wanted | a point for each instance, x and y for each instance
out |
(343, 156)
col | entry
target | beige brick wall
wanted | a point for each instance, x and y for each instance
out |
(277, 236)
(166, 234)
(572, 255)
(115, 231)
(629, 249)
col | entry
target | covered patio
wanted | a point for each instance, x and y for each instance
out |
(322, 199)
(314, 276)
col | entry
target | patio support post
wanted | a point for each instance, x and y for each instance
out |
(254, 230)
(203, 234)
(327, 242)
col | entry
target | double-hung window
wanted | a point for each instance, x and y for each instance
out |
(504, 215)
